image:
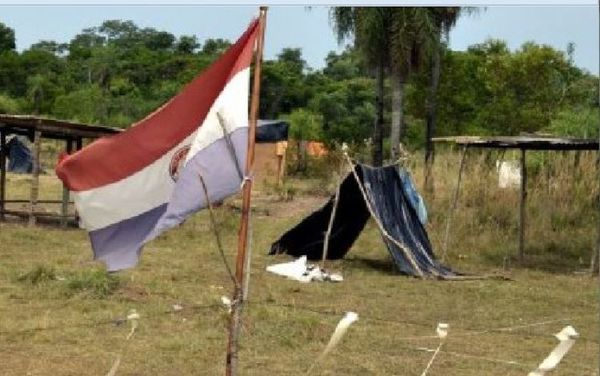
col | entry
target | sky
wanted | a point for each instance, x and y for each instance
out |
(309, 28)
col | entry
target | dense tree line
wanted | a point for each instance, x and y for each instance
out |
(117, 73)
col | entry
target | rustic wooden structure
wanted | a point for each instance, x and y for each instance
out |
(37, 128)
(523, 143)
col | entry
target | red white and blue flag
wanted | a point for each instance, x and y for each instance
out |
(130, 187)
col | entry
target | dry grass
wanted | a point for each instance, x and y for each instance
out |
(58, 308)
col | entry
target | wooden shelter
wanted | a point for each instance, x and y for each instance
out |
(522, 143)
(37, 128)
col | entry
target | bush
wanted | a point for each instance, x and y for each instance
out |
(95, 283)
(8, 105)
(37, 275)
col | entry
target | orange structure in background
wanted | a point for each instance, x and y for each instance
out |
(316, 149)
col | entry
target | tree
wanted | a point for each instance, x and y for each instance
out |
(283, 89)
(443, 19)
(344, 66)
(157, 40)
(8, 105)
(7, 38)
(370, 28)
(304, 126)
(412, 33)
(187, 44)
(215, 46)
(50, 46)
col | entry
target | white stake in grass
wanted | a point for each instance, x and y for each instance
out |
(567, 338)
(133, 318)
(442, 332)
(338, 333)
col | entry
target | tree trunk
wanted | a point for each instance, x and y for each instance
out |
(431, 109)
(378, 127)
(302, 156)
(397, 114)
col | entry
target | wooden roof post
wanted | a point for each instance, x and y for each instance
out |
(65, 193)
(2, 172)
(35, 177)
(454, 201)
(522, 204)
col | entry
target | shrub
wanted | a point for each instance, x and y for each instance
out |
(95, 283)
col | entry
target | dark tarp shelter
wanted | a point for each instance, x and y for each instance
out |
(36, 129)
(271, 131)
(404, 235)
(19, 156)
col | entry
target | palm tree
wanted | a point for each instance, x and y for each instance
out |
(442, 20)
(411, 36)
(370, 27)
(397, 40)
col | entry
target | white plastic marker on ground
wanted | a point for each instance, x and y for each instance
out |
(300, 271)
(567, 338)
(442, 332)
(227, 303)
(338, 333)
(133, 318)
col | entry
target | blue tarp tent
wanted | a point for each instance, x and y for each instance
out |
(398, 209)
(19, 156)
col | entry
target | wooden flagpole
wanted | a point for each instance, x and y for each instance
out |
(238, 298)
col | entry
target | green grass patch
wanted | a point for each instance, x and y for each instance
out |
(95, 283)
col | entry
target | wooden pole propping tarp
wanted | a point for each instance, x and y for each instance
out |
(243, 235)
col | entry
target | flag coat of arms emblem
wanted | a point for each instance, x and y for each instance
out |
(130, 187)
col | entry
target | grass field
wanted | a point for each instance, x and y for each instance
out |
(61, 314)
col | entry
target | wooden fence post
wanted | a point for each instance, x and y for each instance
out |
(65, 192)
(35, 177)
(2, 172)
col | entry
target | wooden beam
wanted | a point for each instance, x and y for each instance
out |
(65, 193)
(2, 172)
(454, 201)
(35, 177)
(38, 201)
(26, 214)
(522, 205)
(56, 128)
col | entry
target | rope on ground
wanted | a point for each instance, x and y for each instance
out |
(219, 306)
(470, 332)
(477, 357)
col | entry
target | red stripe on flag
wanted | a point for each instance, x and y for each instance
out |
(110, 159)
